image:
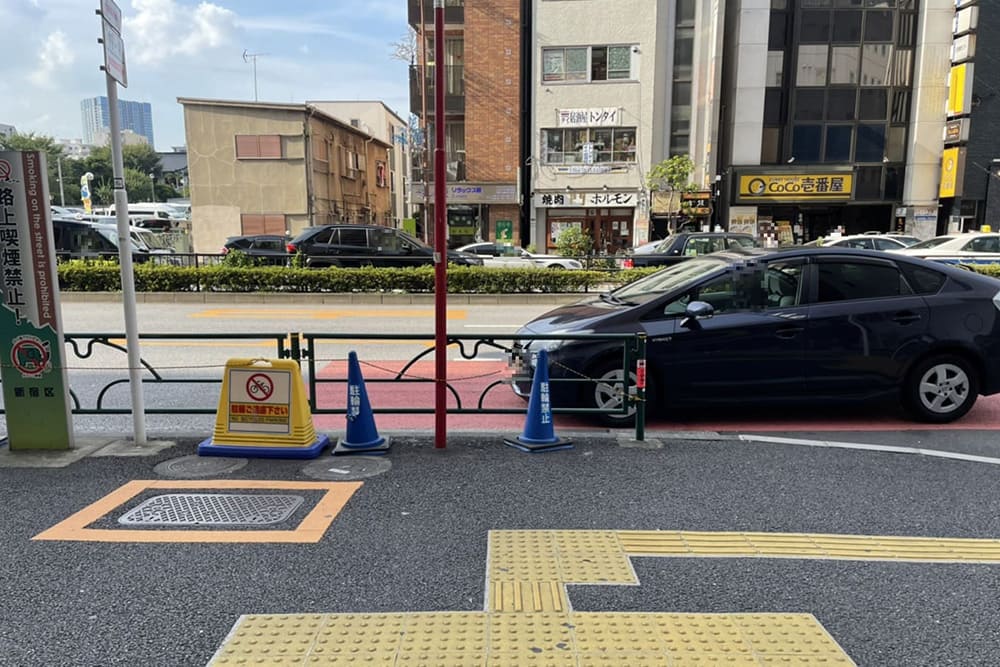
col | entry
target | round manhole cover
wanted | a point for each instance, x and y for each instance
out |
(342, 468)
(199, 466)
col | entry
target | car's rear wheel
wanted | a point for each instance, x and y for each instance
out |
(607, 391)
(941, 388)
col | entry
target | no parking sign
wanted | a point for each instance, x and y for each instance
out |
(263, 412)
(260, 400)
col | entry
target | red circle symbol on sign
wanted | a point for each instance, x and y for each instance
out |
(29, 356)
(4, 170)
(260, 387)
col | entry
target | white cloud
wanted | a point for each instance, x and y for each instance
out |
(161, 30)
(53, 58)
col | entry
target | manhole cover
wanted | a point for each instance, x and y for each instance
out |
(199, 466)
(212, 509)
(345, 469)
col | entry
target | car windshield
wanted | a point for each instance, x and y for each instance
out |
(111, 234)
(931, 243)
(413, 241)
(667, 280)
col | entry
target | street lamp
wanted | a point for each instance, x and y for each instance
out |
(152, 186)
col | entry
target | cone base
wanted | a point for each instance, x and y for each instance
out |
(207, 448)
(533, 447)
(376, 448)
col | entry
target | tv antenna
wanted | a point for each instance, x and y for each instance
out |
(252, 58)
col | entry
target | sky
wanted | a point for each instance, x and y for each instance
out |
(314, 50)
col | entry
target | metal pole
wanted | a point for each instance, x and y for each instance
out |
(152, 187)
(423, 115)
(128, 277)
(62, 195)
(440, 242)
(254, 78)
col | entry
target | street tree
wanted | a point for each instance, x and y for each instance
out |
(38, 142)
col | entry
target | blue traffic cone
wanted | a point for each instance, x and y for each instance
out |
(361, 437)
(539, 433)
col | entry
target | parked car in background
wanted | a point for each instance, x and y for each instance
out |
(498, 255)
(265, 248)
(781, 326)
(864, 242)
(511, 256)
(905, 239)
(78, 239)
(967, 248)
(685, 245)
(351, 245)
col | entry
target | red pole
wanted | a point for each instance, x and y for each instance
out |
(440, 241)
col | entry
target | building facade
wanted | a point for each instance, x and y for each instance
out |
(601, 100)
(96, 116)
(75, 149)
(265, 168)
(482, 74)
(379, 121)
(7, 130)
(832, 115)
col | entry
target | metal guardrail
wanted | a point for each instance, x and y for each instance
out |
(305, 348)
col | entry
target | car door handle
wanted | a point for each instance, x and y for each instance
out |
(905, 317)
(788, 332)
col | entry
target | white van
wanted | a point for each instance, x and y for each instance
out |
(152, 210)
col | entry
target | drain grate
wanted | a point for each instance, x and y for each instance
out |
(212, 509)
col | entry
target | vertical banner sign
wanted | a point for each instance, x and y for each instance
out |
(35, 390)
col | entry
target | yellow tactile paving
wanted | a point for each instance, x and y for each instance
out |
(529, 621)
(810, 545)
(311, 529)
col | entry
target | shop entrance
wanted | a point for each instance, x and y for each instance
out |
(610, 228)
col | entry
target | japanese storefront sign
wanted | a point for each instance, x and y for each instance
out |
(599, 117)
(960, 90)
(795, 187)
(607, 199)
(470, 193)
(697, 203)
(35, 390)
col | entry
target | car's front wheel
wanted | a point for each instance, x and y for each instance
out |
(941, 388)
(607, 391)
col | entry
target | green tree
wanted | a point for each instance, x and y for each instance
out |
(574, 242)
(672, 175)
(38, 142)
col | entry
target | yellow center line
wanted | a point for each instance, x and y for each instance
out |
(323, 313)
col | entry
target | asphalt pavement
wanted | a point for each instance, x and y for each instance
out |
(414, 537)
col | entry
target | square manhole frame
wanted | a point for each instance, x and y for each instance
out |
(310, 530)
(134, 516)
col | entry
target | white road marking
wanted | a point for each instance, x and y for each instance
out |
(892, 449)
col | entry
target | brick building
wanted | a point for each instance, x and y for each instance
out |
(482, 79)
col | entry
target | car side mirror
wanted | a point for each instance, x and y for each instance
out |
(695, 311)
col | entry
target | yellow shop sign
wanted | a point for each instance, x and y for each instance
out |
(821, 186)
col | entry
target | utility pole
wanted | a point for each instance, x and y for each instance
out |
(423, 115)
(440, 240)
(252, 58)
(62, 194)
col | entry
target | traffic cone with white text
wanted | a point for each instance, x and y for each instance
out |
(539, 432)
(361, 437)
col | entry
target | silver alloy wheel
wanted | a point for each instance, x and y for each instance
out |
(943, 388)
(609, 392)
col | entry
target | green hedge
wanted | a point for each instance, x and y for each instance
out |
(104, 276)
(98, 276)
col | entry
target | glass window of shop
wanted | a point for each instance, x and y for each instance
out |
(838, 87)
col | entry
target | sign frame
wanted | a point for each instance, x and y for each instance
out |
(762, 186)
(114, 54)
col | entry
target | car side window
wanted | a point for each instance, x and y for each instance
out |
(736, 290)
(781, 283)
(864, 244)
(385, 240)
(357, 238)
(983, 244)
(846, 280)
(326, 236)
(923, 280)
(699, 245)
(739, 242)
(886, 244)
(268, 244)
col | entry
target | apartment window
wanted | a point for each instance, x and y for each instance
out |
(588, 145)
(258, 146)
(583, 63)
(266, 223)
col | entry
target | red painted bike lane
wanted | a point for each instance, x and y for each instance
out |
(471, 378)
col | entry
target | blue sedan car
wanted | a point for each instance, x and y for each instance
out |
(781, 326)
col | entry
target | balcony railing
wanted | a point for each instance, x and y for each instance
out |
(454, 12)
(454, 89)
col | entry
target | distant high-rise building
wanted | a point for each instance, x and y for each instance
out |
(135, 116)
